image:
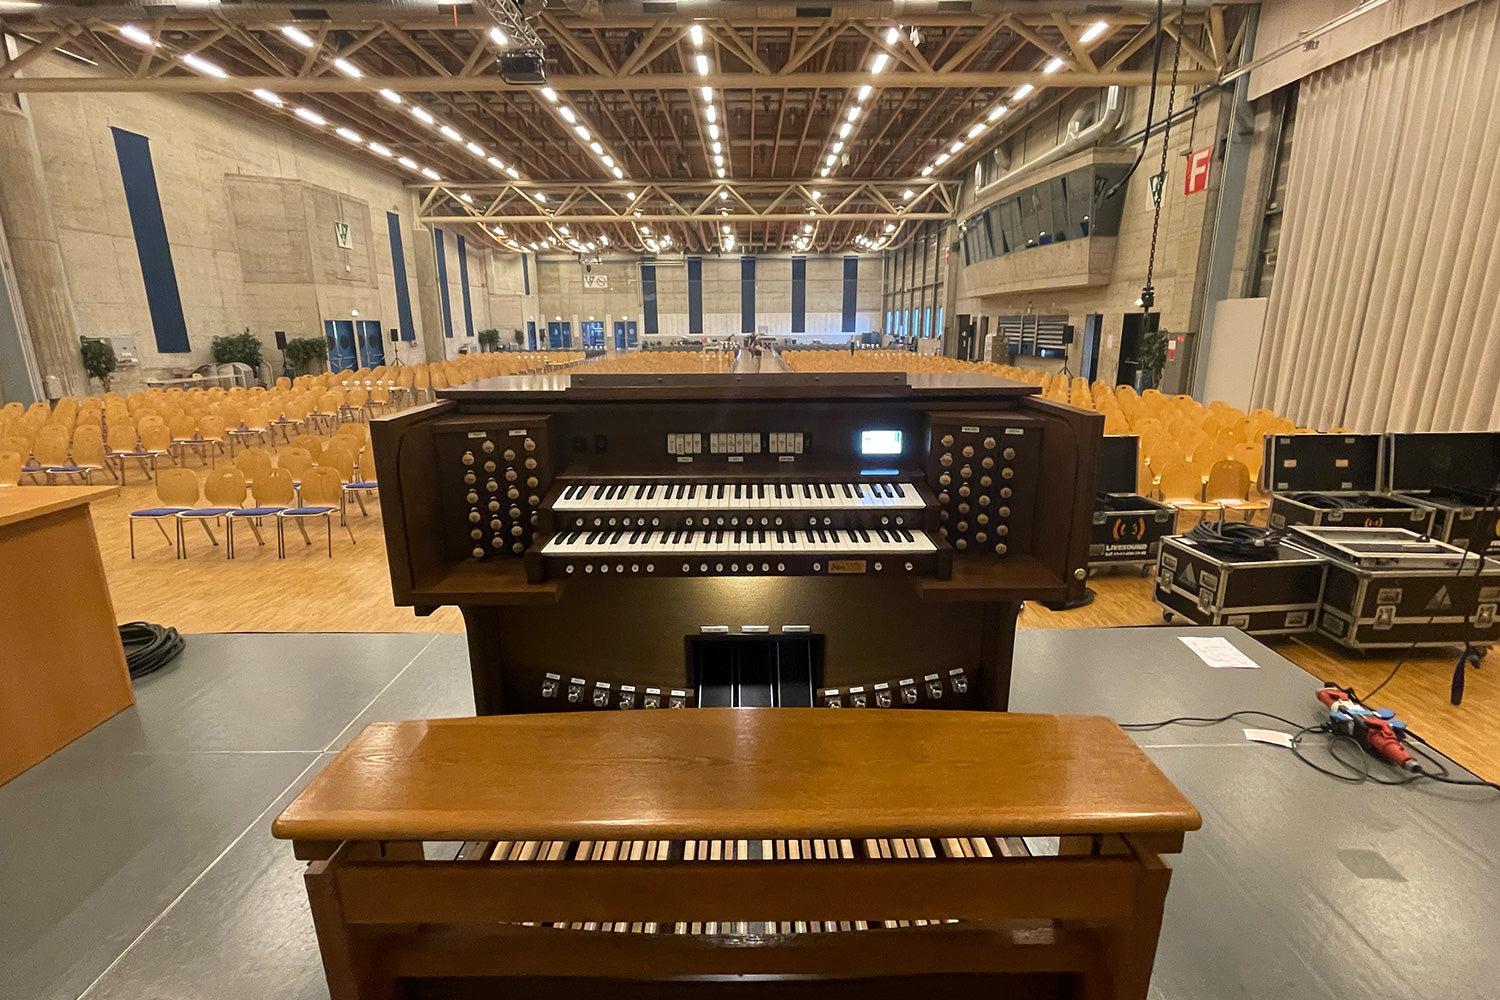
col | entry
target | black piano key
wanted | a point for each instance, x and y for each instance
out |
(847, 491)
(883, 536)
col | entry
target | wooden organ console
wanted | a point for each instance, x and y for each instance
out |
(778, 539)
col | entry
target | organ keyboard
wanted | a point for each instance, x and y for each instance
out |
(791, 853)
(602, 525)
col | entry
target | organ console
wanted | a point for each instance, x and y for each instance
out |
(786, 539)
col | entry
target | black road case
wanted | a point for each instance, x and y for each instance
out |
(1454, 474)
(1388, 588)
(1128, 527)
(1277, 596)
(1334, 479)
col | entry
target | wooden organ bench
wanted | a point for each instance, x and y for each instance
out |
(788, 852)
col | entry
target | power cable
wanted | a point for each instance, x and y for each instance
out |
(149, 647)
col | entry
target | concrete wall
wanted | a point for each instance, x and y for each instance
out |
(249, 207)
(1186, 227)
(563, 295)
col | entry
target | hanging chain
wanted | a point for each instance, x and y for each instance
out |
(1148, 293)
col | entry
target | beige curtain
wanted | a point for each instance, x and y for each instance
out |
(1385, 311)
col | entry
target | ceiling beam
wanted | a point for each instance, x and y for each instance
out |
(193, 84)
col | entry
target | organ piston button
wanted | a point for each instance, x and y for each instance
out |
(497, 542)
(514, 512)
(964, 490)
(882, 695)
(551, 684)
(575, 688)
(958, 680)
(676, 698)
(531, 482)
(601, 694)
(1002, 530)
(652, 698)
(627, 696)
(468, 458)
(857, 697)
(497, 524)
(908, 692)
(1008, 454)
(934, 686)
(986, 481)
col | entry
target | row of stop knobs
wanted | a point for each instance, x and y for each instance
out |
(970, 511)
(515, 534)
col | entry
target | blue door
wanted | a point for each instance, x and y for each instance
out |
(619, 335)
(371, 346)
(340, 336)
(531, 335)
(593, 333)
(559, 334)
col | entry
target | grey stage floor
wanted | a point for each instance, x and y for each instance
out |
(138, 863)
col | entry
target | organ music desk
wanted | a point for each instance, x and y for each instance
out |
(796, 852)
(770, 539)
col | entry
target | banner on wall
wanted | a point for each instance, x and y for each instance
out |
(596, 281)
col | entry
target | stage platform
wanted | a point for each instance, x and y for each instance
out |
(137, 862)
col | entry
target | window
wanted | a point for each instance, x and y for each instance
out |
(1052, 211)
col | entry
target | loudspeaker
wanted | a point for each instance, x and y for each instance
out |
(281, 340)
(395, 335)
(1068, 332)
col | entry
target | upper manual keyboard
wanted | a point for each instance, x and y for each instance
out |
(739, 496)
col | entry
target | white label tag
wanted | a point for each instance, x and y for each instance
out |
(786, 458)
(736, 458)
(684, 458)
(1270, 736)
(1218, 652)
(519, 432)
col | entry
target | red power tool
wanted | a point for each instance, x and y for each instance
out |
(1376, 729)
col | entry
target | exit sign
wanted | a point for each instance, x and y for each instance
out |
(1197, 170)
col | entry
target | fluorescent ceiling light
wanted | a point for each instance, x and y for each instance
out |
(296, 36)
(267, 96)
(450, 133)
(838, 147)
(1053, 65)
(696, 31)
(718, 147)
(514, 174)
(890, 227)
(567, 114)
(476, 149)
(816, 195)
(467, 199)
(823, 171)
(844, 130)
(721, 171)
(421, 114)
(619, 174)
(723, 195)
(711, 113)
(498, 37)
(202, 65)
(977, 130)
(349, 134)
(598, 149)
(630, 195)
(539, 196)
(407, 162)
(1094, 31)
(311, 117)
(927, 170)
(549, 94)
(854, 112)
(807, 227)
(608, 161)
(583, 133)
(908, 194)
(725, 229)
(701, 61)
(713, 131)
(941, 159)
(347, 68)
(494, 161)
(390, 95)
(1023, 92)
(379, 150)
(707, 93)
(430, 174)
(956, 146)
(995, 113)
(879, 64)
(718, 161)
(646, 230)
(139, 36)
(864, 91)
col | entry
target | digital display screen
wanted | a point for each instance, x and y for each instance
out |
(880, 442)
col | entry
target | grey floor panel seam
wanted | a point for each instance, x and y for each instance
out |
(252, 825)
(355, 717)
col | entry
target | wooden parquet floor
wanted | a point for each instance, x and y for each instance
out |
(309, 592)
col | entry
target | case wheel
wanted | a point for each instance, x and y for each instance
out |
(1166, 616)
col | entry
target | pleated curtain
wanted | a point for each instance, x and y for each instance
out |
(1383, 314)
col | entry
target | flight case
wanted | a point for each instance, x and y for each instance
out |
(1454, 474)
(1334, 479)
(1128, 528)
(1277, 596)
(1391, 588)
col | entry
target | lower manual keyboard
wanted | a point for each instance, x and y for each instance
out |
(745, 552)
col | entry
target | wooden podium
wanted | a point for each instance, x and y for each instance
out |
(63, 669)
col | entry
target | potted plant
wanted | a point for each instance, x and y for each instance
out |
(489, 340)
(242, 347)
(303, 353)
(1153, 358)
(98, 360)
(519, 336)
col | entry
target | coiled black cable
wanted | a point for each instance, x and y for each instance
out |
(149, 647)
(1237, 538)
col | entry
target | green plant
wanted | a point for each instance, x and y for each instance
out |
(242, 347)
(519, 336)
(489, 340)
(98, 360)
(1154, 354)
(301, 352)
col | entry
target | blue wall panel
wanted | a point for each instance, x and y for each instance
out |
(799, 294)
(442, 270)
(398, 269)
(463, 283)
(648, 298)
(163, 298)
(747, 294)
(851, 290)
(695, 294)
